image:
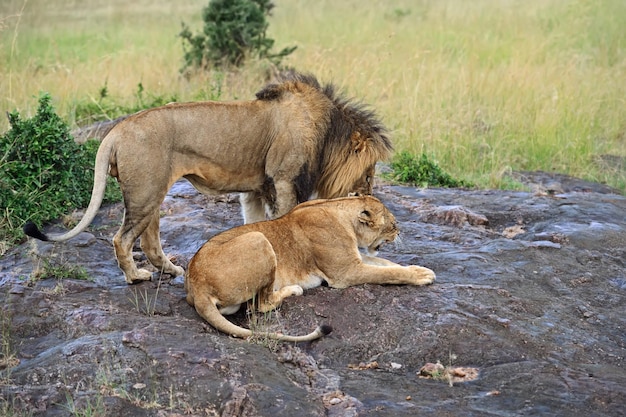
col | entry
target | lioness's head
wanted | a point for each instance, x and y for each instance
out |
(376, 225)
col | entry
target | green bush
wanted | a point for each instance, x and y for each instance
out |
(422, 171)
(233, 31)
(43, 172)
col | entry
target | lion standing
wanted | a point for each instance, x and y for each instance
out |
(296, 140)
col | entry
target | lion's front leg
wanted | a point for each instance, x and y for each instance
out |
(417, 275)
(252, 207)
(285, 199)
(375, 260)
(422, 275)
(384, 274)
(151, 246)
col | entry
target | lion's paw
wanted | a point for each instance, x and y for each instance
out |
(177, 271)
(424, 276)
(295, 289)
(290, 290)
(141, 275)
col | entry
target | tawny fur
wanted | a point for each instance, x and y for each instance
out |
(268, 261)
(296, 140)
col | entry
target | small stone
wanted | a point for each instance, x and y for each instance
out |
(83, 240)
(17, 289)
(431, 369)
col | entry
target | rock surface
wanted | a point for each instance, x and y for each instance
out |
(529, 301)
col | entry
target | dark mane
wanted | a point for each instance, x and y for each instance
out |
(352, 140)
(274, 90)
(354, 133)
(295, 76)
(349, 116)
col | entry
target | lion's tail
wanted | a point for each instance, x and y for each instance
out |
(101, 171)
(209, 311)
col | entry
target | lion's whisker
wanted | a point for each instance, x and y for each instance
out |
(399, 244)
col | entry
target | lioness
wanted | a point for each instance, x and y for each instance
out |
(268, 261)
(295, 141)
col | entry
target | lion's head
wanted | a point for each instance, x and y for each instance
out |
(348, 145)
(375, 225)
(355, 141)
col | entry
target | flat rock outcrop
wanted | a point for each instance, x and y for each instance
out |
(527, 317)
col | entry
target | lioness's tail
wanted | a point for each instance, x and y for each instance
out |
(210, 313)
(101, 170)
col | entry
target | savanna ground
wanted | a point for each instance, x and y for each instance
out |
(533, 299)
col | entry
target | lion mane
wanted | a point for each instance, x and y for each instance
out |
(296, 141)
(348, 142)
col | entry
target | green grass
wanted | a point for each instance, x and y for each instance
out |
(60, 269)
(485, 86)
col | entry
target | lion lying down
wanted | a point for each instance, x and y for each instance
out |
(268, 261)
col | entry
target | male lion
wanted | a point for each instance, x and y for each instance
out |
(295, 141)
(268, 261)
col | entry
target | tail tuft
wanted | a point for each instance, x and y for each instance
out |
(30, 229)
(325, 329)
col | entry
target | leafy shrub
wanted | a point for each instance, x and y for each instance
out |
(233, 31)
(43, 172)
(422, 171)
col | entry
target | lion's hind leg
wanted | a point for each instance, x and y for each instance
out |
(123, 245)
(151, 246)
(234, 271)
(271, 299)
(142, 202)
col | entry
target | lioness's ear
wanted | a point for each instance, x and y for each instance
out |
(365, 217)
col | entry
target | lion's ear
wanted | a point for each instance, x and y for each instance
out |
(358, 142)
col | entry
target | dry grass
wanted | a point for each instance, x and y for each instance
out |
(485, 87)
